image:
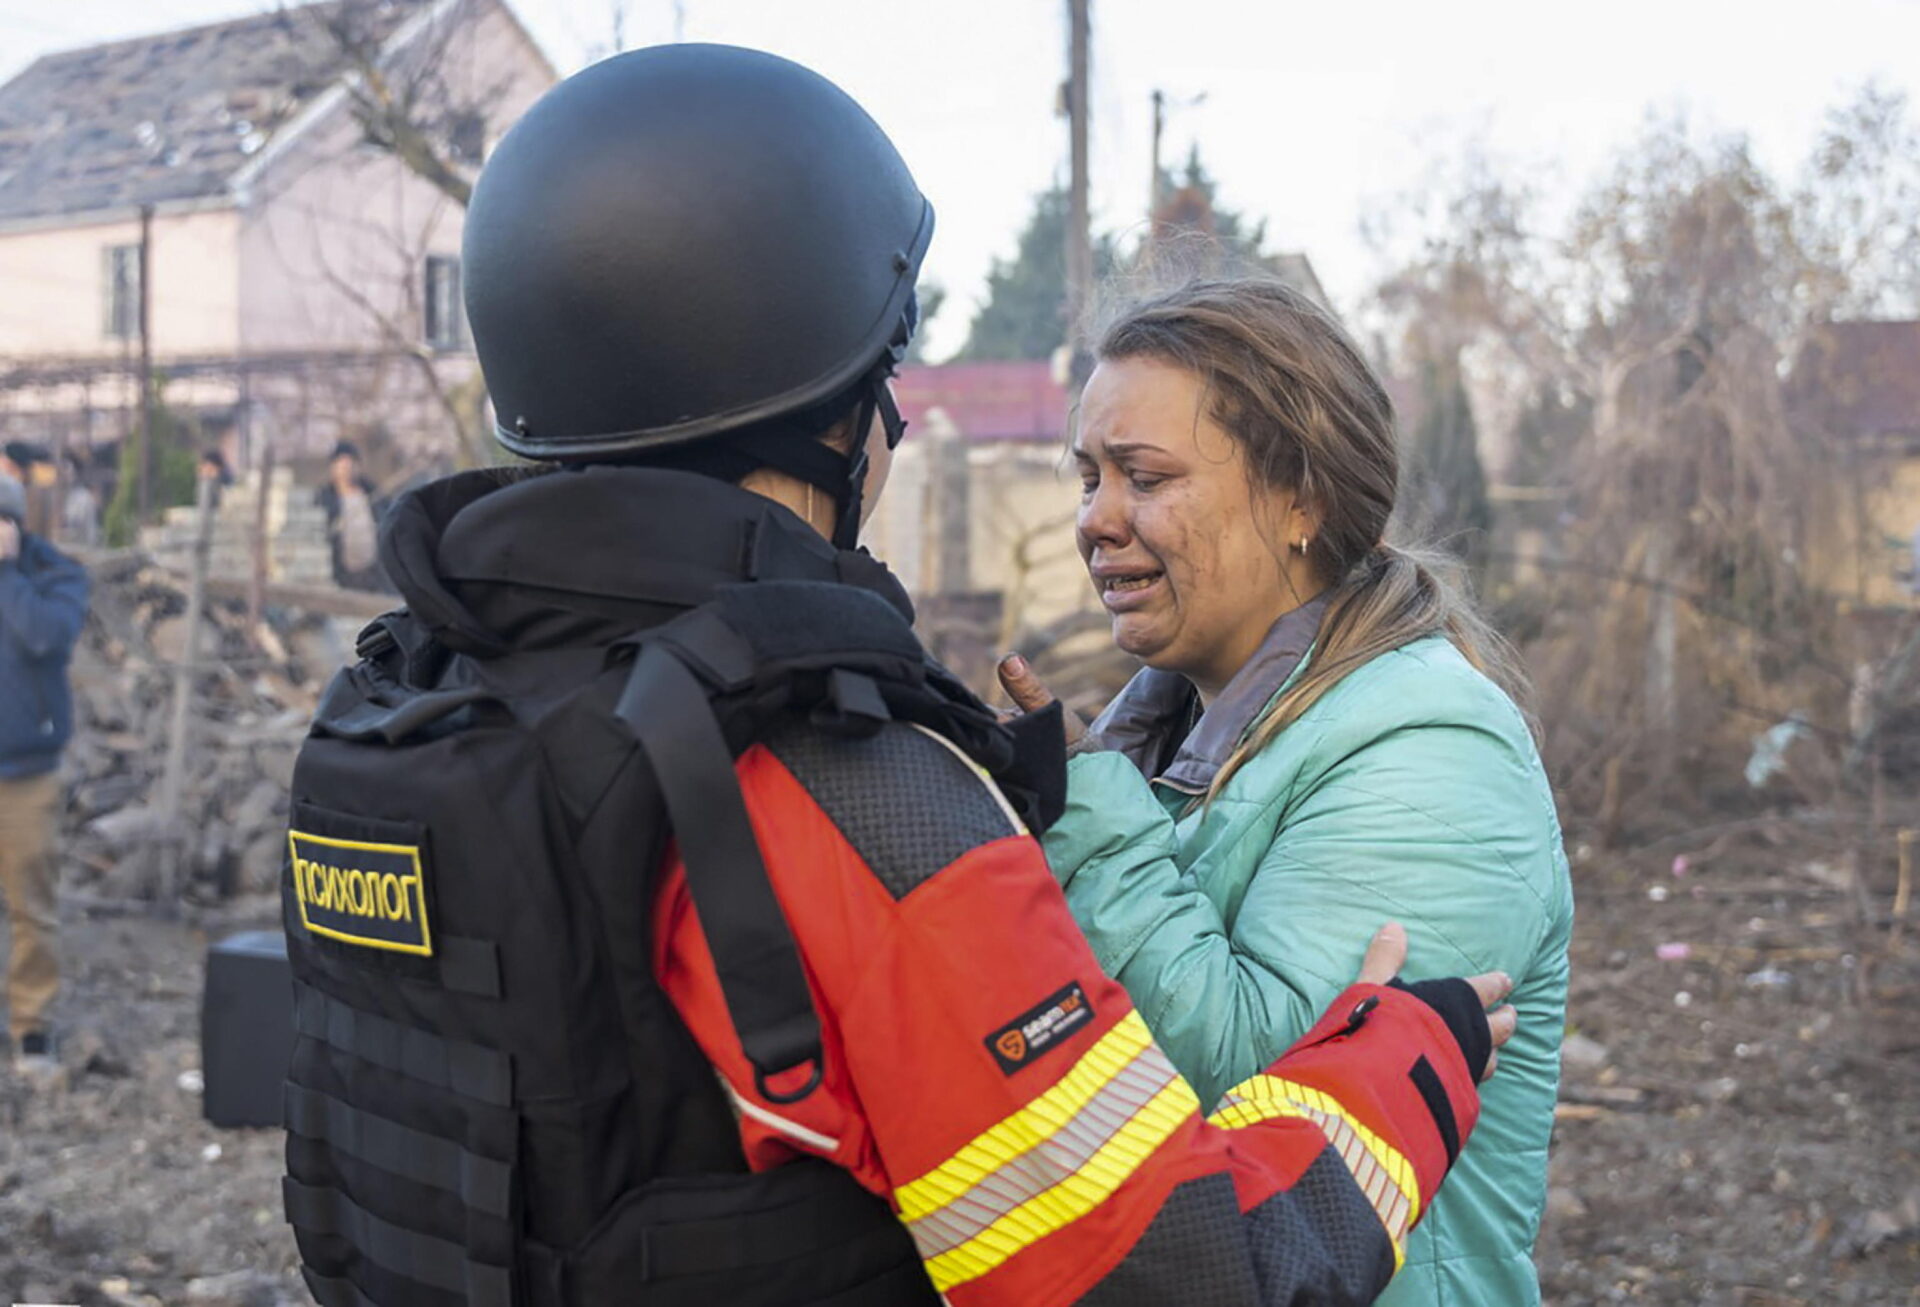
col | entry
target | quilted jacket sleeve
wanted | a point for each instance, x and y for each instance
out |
(1232, 947)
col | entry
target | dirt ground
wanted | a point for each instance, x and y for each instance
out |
(1741, 1124)
(113, 1190)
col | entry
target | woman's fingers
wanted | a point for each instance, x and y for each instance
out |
(1491, 986)
(1027, 692)
(1502, 1022)
(1385, 955)
(1022, 686)
(1388, 953)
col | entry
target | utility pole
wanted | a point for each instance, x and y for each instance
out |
(261, 538)
(1154, 193)
(173, 774)
(1079, 235)
(146, 361)
(1153, 179)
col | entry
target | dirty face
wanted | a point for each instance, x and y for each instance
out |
(1189, 556)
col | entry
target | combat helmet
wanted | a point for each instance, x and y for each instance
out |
(699, 255)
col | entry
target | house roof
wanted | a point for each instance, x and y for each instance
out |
(987, 401)
(1296, 269)
(163, 118)
(1858, 381)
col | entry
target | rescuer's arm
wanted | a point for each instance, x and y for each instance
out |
(985, 1076)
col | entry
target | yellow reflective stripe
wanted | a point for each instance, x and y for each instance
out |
(1032, 1125)
(1074, 1196)
(1049, 1162)
(1382, 1171)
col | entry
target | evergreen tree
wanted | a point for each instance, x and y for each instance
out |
(174, 462)
(1446, 488)
(1190, 205)
(1024, 315)
(932, 297)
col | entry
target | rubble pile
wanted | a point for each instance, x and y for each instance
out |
(293, 526)
(254, 689)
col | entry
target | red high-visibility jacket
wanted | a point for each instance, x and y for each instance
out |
(983, 1075)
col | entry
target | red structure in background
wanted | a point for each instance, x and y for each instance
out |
(1011, 401)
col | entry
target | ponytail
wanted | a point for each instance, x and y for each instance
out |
(1390, 597)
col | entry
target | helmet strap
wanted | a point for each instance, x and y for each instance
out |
(793, 446)
(812, 462)
(846, 530)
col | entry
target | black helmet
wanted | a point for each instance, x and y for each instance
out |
(688, 241)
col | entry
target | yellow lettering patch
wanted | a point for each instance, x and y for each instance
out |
(374, 895)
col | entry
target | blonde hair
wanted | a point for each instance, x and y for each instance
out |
(1285, 381)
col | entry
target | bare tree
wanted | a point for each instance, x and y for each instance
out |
(1663, 318)
(1858, 209)
(417, 94)
(408, 86)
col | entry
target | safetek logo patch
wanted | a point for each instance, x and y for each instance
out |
(1033, 1032)
(373, 895)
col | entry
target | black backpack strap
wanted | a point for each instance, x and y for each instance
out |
(669, 712)
(329, 1212)
(712, 680)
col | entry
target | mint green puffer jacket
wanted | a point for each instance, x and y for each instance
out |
(1410, 792)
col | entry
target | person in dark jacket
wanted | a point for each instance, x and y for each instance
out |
(353, 512)
(43, 601)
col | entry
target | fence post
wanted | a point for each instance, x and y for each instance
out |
(173, 778)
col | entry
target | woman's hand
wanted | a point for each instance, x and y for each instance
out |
(1388, 953)
(1029, 695)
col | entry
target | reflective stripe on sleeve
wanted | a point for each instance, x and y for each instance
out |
(1382, 1172)
(1050, 1163)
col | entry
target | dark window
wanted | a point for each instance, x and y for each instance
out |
(445, 323)
(122, 281)
(467, 138)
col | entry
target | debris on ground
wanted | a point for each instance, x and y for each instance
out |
(1758, 1143)
(1737, 1125)
(253, 695)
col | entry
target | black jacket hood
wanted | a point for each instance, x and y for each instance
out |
(485, 559)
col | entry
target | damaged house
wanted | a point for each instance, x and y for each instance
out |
(263, 216)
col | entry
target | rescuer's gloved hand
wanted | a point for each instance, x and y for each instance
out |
(1462, 1004)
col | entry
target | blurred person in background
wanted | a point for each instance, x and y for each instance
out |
(1323, 735)
(43, 602)
(353, 520)
(213, 467)
(29, 465)
(80, 509)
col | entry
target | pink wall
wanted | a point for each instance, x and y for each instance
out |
(53, 293)
(335, 234)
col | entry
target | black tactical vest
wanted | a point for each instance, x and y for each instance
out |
(491, 1103)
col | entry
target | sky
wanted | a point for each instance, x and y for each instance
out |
(1315, 117)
